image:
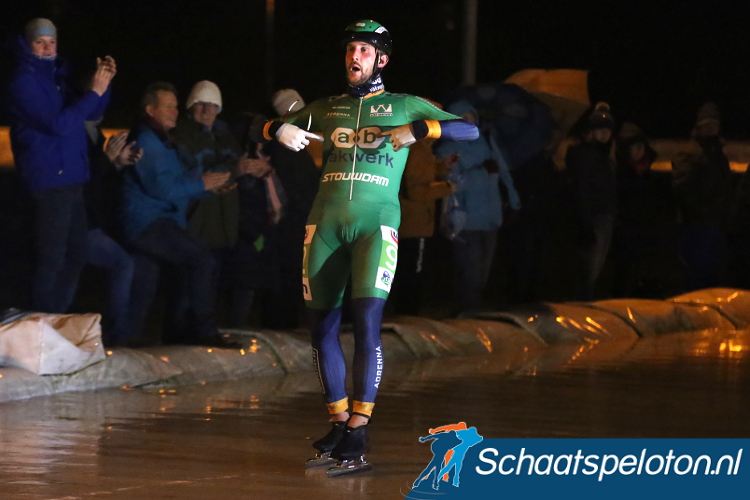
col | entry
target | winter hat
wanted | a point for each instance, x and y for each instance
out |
(284, 98)
(708, 113)
(39, 27)
(601, 117)
(204, 91)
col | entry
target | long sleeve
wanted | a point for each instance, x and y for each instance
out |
(30, 101)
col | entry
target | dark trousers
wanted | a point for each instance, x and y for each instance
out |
(102, 251)
(60, 227)
(593, 256)
(165, 243)
(473, 253)
(704, 252)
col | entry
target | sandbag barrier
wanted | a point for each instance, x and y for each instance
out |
(522, 340)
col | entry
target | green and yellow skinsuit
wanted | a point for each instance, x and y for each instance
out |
(352, 229)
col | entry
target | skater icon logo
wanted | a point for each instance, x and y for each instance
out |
(386, 278)
(449, 444)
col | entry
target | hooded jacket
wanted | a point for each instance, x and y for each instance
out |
(479, 191)
(47, 131)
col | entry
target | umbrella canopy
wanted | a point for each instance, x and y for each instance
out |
(565, 91)
(521, 124)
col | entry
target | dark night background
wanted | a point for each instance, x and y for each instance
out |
(654, 62)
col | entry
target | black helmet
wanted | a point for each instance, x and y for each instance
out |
(371, 32)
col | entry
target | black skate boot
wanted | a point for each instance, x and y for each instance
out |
(350, 452)
(326, 444)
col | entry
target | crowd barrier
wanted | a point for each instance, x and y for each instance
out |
(516, 339)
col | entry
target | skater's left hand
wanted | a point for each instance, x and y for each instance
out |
(401, 137)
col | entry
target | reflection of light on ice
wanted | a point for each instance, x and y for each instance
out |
(730, 349)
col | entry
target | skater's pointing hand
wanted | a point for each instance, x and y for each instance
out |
(401, 137)
(295, 138)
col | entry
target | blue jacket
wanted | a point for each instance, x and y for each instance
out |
(47, 132)
(158, 186)
(479, 191)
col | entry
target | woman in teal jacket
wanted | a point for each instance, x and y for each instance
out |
(479, 169)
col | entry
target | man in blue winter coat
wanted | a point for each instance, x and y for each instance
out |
(48, 138)
(156, 194)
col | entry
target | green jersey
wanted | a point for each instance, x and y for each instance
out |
(353, 225)
(358, 164)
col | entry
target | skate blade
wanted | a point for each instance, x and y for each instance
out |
(349, 467)
(320, 460)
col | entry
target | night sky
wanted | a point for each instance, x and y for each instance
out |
(654, 62)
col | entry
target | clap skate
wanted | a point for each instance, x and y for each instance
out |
(325, 446)
(350, 452)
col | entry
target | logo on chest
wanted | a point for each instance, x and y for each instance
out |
(381, 110)
(366, 138)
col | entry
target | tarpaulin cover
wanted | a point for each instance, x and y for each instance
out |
(734, 304)
(428, 338)
(560, 323)
(48, 344)
(204, 364)
(656, 317)
(499, 336)
(17, 383)
(292, 349)
(122, 368)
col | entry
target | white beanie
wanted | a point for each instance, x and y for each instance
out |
(284, 98)
(204, 91)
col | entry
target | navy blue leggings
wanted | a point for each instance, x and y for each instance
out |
(367, 369)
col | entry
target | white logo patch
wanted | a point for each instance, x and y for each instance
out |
(367, 138)
(381, 110)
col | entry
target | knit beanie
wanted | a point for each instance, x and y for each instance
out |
(601, 117)
(204, 91)
(708, 113)
(284, 98)
(39, 27)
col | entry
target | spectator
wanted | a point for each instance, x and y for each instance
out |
(205, 144)
(102, 250)
(546, 212)
(299, 177)
(255, 264)
(48, 138)
(638, 234)
(422, 184)
(479, 169)
(591, 167)
(157, 191)
(703, 190)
